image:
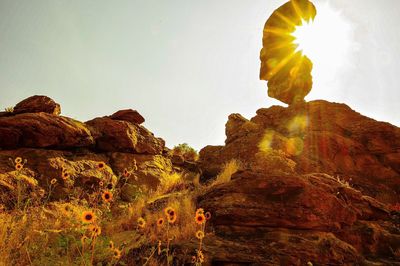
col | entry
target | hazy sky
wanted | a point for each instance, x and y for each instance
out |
(185, 65)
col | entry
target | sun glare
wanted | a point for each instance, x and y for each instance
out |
(327, 41)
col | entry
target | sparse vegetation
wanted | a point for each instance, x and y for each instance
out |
(342, 182)
(187, 152)
(9, 109)
(170, 182)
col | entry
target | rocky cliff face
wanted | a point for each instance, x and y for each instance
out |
(316, 185)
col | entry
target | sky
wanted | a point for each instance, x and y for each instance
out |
(185, 65)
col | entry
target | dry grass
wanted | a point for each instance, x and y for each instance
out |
(342, 182)
(227, 171)
(9, 109)
(35, 231)
(170, 182)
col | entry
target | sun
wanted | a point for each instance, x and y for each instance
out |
(327, 41)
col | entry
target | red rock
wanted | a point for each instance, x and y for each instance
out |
(37, 104)
(122, 136)
(42, 130)
(260, 200)
(295, 219)
(128, 115)
(299, 217)
(319, 137)
(275, 246)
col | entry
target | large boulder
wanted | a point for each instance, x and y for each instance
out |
(128, 115)
(121, 136)
(37, 104)
(43, 130)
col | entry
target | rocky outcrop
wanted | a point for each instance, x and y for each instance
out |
(315, 182)
(316, 185)
(35, 123)
(53, 145)
(318, 137)
(37, 104)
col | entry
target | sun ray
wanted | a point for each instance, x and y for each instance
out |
(310, 10)
(280, 45)
(295, 70)
(278, 31)
(281, 64)
(297, 9)
(286, 19)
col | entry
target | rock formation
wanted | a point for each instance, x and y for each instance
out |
(316, 184)
(318, 137)
(287, 71)
(310, 184)
(49, 142)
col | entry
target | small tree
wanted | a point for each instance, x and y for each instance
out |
(188, 153)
